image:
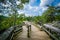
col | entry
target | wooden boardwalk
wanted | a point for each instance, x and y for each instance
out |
(36, 34)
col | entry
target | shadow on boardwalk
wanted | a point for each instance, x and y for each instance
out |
(36, 34)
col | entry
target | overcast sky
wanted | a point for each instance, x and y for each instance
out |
(37, 7)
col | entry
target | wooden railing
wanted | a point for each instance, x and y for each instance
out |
(9, 33)
(52, 31)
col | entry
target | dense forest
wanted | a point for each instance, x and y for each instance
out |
(14, 18)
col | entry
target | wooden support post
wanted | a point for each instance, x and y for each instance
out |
(30, 27)
(28, 33)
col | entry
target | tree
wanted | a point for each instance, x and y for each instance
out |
(51, 14)
(10, 8)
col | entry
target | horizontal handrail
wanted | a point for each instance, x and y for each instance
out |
(8, 34)
(55, 29)
(51, 30)
(52, 36)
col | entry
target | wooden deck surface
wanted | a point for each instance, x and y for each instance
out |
(36, 34)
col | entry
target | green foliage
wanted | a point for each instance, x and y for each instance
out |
(2, 18)
(47, 17)
(29, 18)
(14, 18)
(37, 19)
(1, 0)
(24, 1)
(3, 22)
(57, 17)
(7, 22)
(20, 6)
(50, 15)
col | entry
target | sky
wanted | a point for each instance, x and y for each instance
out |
(37, 7)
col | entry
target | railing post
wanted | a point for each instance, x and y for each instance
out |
(30, 27)
(28, 32)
